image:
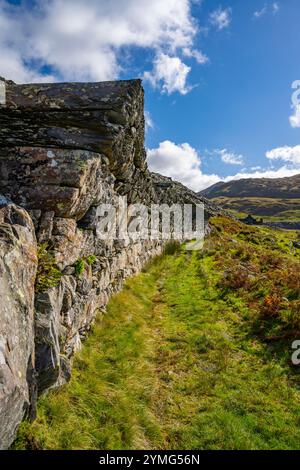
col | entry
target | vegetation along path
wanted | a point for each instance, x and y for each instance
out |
(194, 353)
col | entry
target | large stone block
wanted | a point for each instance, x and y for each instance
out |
(106, 117)
(66, 182)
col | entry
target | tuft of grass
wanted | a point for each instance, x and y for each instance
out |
(81, 264)
(48, 275)
(172, 247)
(79, 267)
(91, 259)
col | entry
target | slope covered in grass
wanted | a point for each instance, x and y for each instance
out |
(270, 209)
(194, 353)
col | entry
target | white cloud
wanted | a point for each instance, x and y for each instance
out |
(262, 12)
(295, 118)
(267, 8)
(230, 157)
(11, 66)
(149, 124)
(82, 40)
(169, 72)
(221, 18)
(286, 154)
(290, 155)
(281, 172)
(275, 7)
(197, 55)
(180, 162)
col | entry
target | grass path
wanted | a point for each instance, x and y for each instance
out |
(171, 366)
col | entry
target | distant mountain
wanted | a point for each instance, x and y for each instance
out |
(288, 188)
(273, 199)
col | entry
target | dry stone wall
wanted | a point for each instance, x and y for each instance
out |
(64, 150)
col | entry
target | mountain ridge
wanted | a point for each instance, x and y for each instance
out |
(287, 187)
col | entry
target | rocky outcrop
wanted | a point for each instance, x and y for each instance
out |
(168, 191)
(18, 264)
(66, 149)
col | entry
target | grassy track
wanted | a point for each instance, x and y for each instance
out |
(177, 363)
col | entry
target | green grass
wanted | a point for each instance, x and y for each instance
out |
(91, 259)
(80, 267)
(177, 361)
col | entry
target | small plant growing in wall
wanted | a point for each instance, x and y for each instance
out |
(91, 260)
(79, 267)
(48, 275)
(80, 264)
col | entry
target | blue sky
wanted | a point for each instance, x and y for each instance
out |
(217, 74)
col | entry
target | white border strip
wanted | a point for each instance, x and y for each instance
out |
(2, 93)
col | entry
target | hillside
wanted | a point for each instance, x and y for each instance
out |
(204, 363)
(272, 199)
(285, 188)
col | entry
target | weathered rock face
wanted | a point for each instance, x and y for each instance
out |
(65, 182)
(66, 149)
(18, 263)
(103, 117)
